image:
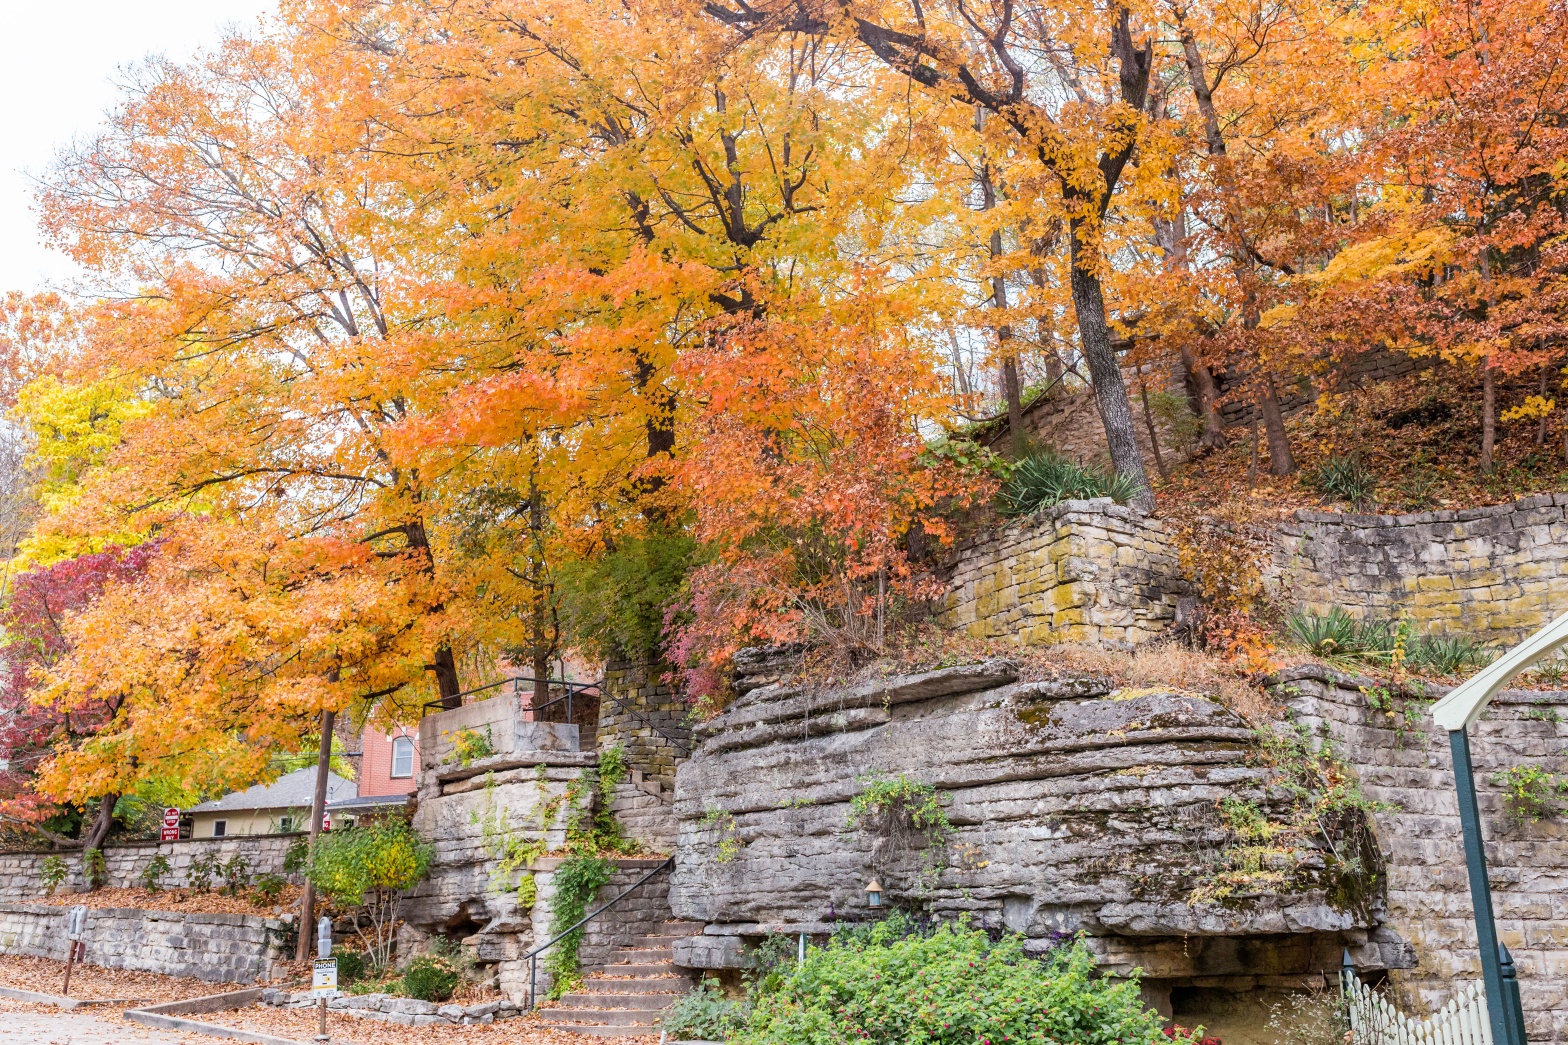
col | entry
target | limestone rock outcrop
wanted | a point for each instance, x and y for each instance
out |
(1074, 807)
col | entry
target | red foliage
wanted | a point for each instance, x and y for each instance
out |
(33, 625)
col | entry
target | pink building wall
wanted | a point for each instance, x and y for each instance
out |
(375, 768)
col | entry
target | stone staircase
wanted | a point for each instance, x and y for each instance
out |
(624, 997)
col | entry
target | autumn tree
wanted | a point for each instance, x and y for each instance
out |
(1069, 82)
(35, 628)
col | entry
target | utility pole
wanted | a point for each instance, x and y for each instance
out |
(318, 809)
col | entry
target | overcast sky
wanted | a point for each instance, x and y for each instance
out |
(58, 62)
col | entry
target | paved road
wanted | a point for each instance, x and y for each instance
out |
(36, 1025)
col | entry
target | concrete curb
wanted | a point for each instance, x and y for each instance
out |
(163, 1016)
(64, 1003)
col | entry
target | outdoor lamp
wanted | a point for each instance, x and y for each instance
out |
(873, 895)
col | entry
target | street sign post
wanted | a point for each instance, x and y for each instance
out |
(323, 975)
(170, 831)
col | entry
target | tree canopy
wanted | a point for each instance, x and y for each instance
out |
(421, 338)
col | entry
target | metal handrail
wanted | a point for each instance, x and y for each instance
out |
(533, 955)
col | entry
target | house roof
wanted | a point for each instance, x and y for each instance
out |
(367, 802)
(290, 791)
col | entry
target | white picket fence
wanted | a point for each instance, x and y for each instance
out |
(1373, 1021)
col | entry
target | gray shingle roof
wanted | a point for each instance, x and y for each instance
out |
(289, 791)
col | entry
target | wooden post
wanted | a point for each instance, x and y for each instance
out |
(70, 961)
(318, 808)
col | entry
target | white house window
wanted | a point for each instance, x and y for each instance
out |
(220, 828)
(402, 757)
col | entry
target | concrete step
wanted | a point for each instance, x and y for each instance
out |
(603, 1030)
(641, 969)
(599, 1016)
(665, 943)
(599, 982)
(642, 954)
(675, 927)
(577, 1001)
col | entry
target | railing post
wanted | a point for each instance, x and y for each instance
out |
(1514, 1007)
(1480, 889)
(533, 964)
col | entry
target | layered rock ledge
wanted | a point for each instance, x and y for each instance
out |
(1074, 807)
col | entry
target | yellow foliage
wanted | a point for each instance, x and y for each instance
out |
(1533, 408)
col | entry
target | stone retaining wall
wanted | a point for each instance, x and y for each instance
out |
(1093, 571)
(1082, 571)
(217, 948)
(646, 718)
(1496, 573)
(1428, 899)
(21, 871)
(471, 812)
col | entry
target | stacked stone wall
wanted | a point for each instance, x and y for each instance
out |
(1082, 571)
(1495, 573)
(1408, 770)
(472, 813)
(646, 718)
(21, 872)
(1093, 571)
(216, 948)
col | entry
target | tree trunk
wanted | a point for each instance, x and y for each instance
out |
(1540, 430)
(1154, 436)
(103, 823)
(447, 684)
(1004, 331)
(1213, 434)
(1110, 393)
(1281, 460)
(1015, 406)
(318, 809)
(1252, 458)
(1488, 414)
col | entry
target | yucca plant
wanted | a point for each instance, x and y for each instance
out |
(1047, 478)
(1335, 633)
(1346, 479)
(1447, 654)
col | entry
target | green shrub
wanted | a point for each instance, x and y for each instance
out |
(705, 1014)
(470, 745)
(952, 985)
(53, 873)
(613, 603)
(351, 965)
(95, 869)
(1344, 478)
(430, 978)
(268, 888)
(1338, 634)
(1047, 478)
(297, 855)
(1530, 793)
(236, 874)
(202, 871)
(369, 867)
(153, 874)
